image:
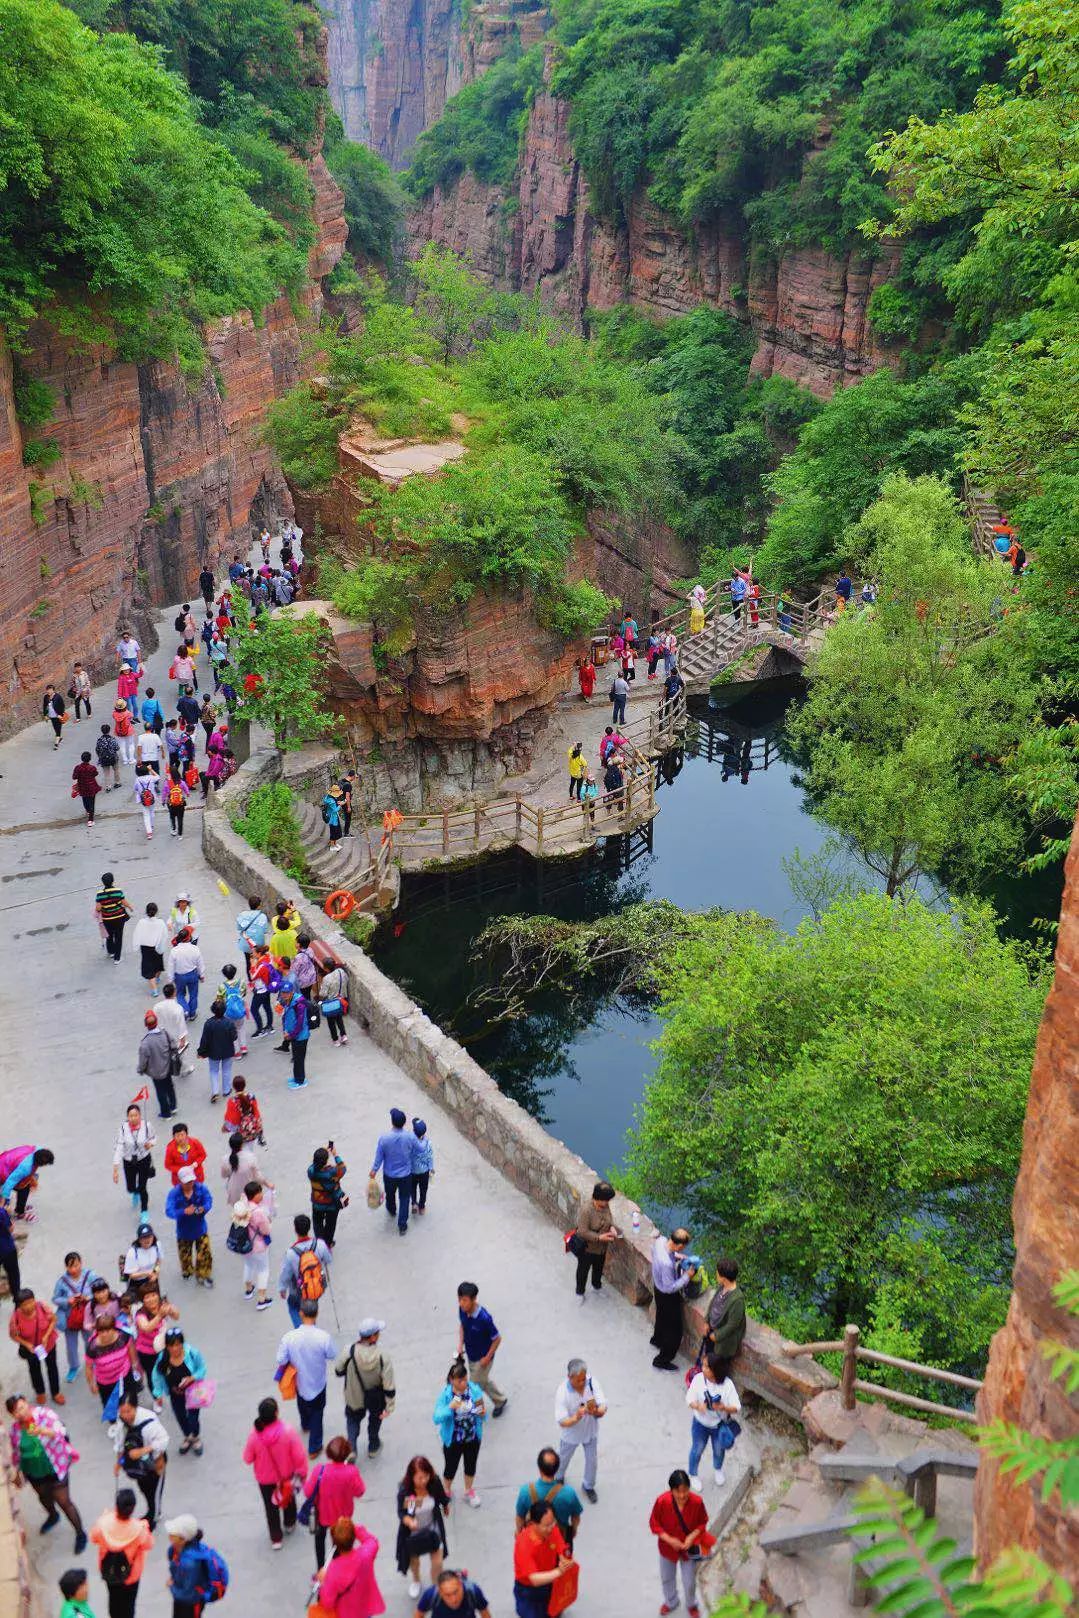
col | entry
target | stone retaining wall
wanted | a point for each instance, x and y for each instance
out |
(548, 1173)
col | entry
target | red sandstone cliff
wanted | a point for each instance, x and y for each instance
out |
(808, 310)
(1018, 1386)
(393, 67)
(154, 477)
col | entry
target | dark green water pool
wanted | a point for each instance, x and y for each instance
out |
(729, 815)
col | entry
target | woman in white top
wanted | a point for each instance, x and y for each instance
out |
(142, 1262)
(714, 1400)
(134, 1143)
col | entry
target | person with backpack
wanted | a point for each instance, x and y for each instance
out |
(54, 710)
(250, 1236)
(266, 980)
(305, 1269)
(242, 1113)
(198, 1575)
(453, 1595)
(562, 1499)
(157, 1054)
(325, 1174)
(151, 712)
(231, 992)
(252, 931)
(369, 1385)
(296, 1030)
(147, 782)
(141, 1443)
(177, 793)
(122, 1541)
(217, 1045)
(331, 817)
(276, 1452)
(107, 749)
(123, 727)
(309, 1352)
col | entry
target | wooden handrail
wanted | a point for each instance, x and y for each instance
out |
(851, 1384)
(931, 1371)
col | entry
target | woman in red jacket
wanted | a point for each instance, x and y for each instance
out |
(86, 785)
(279, 1456)
(680, 1523)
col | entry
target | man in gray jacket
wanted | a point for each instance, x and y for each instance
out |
(155, 1061)
(369, 1385)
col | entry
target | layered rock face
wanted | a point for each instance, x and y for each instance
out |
(807, 309)
(1018, 1386)
(155, 477)
(393, 66)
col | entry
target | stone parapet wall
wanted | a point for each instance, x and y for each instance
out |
(550, 1175)
(18, 1597)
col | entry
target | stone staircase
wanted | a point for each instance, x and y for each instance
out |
(349, 868)
(801, 1562)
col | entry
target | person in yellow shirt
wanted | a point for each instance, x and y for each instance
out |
(284, 942)
(577, 767)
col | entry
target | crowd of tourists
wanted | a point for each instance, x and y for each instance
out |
(124, 1333)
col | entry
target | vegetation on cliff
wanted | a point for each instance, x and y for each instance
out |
(481, 126)
(552, 427)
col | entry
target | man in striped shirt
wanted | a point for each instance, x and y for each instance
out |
(112, 910)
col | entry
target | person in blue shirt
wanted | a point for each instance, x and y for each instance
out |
(393, 1155)
(459, 1412)
(423, 1166)
(296, 1030)
(188, 1203)
(479, 1340)
(738, 594)
(177, 1366)
(310, 1351)
(563, 1500)
(152, 712)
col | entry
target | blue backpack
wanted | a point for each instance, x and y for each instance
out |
(217, 1576)
(234, 1004)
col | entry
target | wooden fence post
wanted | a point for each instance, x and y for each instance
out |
(517, 835)
(445, 831)
(476, 824)
(851, 1336)
(539, 831)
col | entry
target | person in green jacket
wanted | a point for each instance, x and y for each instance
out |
(75, 1589)
(726, 1313)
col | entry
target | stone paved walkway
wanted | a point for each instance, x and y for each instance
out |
(70, 1023)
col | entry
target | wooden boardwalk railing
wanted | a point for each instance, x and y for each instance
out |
(851, 1384)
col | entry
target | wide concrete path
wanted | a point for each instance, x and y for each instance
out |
(70, 1022)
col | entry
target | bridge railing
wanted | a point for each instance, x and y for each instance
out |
(851, 1384)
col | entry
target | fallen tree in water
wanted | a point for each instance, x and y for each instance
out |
(620, 956)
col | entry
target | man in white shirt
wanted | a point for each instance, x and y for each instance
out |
(140, 1442)
(579, 1406)
(127, 649)
(188, 970)
(149, 748)
(170, 1017)
(310, 1351)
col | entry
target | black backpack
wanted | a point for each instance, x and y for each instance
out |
(179, 621)
(115, 1568)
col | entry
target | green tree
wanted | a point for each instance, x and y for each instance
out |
(843, 1107)
(281, 662)
(123, 219)
(913, 706)
(480, 126)
(374, 198)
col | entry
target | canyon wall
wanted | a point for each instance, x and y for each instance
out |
(806, 308)
(394, 64)
(155, 477)
(1018, 1384)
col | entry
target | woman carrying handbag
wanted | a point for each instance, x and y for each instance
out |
(421, 1503)
(679, 1521)
(279, 1457)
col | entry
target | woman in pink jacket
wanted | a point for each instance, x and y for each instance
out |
(279, 1456)
(347, 1585)
(333, 1487)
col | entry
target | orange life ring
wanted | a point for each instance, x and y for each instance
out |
(340, 904)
